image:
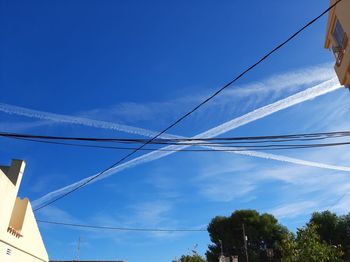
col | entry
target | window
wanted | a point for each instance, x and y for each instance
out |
(338, 34)
(341, 40)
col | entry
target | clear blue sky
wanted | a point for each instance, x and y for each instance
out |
(144, 63)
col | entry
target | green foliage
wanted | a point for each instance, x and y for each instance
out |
(194, 257)
(311, 249)
(327, 224)
(288, 248)
(343, 236)
(334, 230)
(325, 239)
(263, 232)
(308, 247)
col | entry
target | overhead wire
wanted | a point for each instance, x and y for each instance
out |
(120, 228)
(338, 200)
(244, 72)
(177, 141)
(219, 147)
(128, 228)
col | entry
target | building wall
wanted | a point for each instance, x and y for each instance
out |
(8, 191)
(342, 13)
(17, 255)
(20, 238)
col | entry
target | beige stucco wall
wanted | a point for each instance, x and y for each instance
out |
(8, 191)
(18, 214)
(342, 13)
(17, 255)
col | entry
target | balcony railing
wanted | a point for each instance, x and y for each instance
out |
(339, 50)
(14, 232)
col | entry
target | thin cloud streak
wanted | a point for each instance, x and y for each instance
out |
(294, 209)
(16, 110)
(318, 90)
(310, 93)
(269, 89)
(286, 82)
(282, 82)
(292, 160)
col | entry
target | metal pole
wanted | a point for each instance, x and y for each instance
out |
(245, 243)
(222, 252)
(78, 248)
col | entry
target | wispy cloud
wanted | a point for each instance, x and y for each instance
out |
(167, 186)
(342, 204)
(226, 179)
(286, 184)
(293, 160)
(11, 109)
(294, 209)
(226, 188)
(149, 215)
(155, 214)
(323, 190)
(56, 214)
(300, 97)
(281, 84)
(310, 93)
(20, 126)
(253, 94)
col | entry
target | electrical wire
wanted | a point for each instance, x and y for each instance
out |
(186, 141)
(244, 72)
(121, 228)
(219, 148)
(338, 200)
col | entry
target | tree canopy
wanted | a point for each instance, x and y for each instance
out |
(333, 230)
(325, 238)
(262, 230)
(194, 257)
(308, 247)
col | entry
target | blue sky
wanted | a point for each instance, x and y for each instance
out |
(143, 65)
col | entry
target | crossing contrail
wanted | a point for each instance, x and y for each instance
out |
(291, 160)
(310, 93)
(305, 76)
(16, 110)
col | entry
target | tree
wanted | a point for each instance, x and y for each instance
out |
(333, 229)
(343, 235)
(309, 247)
(288, 248)
(326, 226)
(263, 232)
(194, 257)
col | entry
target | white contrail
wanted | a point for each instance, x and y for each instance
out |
(290, 160)
(277, 83)
(10, 109)
(321, 89)
(310, 93)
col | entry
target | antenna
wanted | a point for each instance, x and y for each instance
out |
(78, 249)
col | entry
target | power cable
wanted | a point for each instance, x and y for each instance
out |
(196, 107)
(127, 228)
(338, 200)
(219, 147)
(121, 228)
(279, 138)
